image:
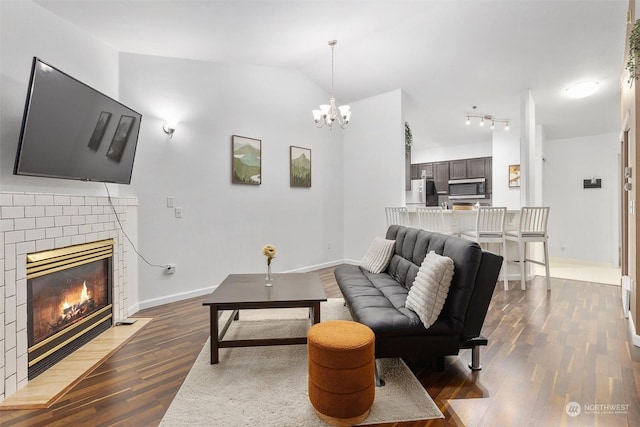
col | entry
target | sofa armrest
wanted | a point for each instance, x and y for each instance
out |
(481, 295)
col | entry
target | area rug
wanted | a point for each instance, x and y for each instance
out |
(267, 386)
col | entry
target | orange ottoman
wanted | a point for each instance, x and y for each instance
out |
(341, 371)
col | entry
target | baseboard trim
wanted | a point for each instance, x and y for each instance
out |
(635, 338)
(174, 298)
(315, 267)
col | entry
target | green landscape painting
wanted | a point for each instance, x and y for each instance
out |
(246, 167)
(300, 166)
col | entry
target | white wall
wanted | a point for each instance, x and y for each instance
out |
(583, 223)
(506, 151)
(445, 153)
(27, 30)
(224, 225)
(373, 169)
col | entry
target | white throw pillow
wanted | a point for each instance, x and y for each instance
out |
(430, 288)
(378, 255)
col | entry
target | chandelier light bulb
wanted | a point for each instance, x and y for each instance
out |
(506, 126)
(482, 122)
(493, 124)
(468, 122)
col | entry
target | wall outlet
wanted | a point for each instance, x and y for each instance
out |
(170, 269)
(178, 212)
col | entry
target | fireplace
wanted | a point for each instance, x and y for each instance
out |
(69, 301)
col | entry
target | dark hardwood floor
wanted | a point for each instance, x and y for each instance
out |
(546, 349)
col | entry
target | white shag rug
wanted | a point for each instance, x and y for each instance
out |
(267, 386)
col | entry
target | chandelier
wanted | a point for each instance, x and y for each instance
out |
(484, 118)
(328, 113)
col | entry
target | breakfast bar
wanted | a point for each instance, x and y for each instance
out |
(457, 221)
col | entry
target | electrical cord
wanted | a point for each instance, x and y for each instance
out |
(113, 208)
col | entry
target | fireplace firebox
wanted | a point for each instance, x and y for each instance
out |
(69, 301)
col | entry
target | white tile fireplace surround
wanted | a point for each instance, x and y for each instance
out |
(33, 222)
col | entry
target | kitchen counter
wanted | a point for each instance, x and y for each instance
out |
(464, 220)
(458, 221)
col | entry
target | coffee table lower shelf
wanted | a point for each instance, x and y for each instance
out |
(217, 344)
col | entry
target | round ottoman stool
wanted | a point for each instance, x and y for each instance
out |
(341, 371)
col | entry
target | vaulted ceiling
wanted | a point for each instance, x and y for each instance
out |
(446, 55)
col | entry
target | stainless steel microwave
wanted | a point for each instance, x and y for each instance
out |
(474, 188)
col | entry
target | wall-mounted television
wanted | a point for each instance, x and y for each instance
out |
(72, 131)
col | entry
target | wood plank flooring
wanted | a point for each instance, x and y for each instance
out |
(545, 350)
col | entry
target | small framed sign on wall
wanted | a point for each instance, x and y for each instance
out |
(514, 175)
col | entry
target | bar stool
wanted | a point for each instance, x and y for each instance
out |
(397, 216)
(532, 228)
(432, 219)
(490, 223)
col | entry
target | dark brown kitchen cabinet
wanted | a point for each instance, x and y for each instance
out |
(476, 168)
(426, 170)
(422, 170)
(488, 170)
(442, 172)
(458, 169)
(415, 171)
(467, 168)
(441, 177)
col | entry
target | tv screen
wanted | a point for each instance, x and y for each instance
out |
(70, 130)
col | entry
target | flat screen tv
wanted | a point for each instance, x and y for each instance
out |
(72, 131)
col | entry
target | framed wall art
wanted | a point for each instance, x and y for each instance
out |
(514, 175)
(300, 166)
(246, 160)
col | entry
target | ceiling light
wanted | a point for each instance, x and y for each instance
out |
(486, 117)
(328, 114)
(582, 89)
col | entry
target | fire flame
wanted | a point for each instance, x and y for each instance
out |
(70, 309)
(85, 295)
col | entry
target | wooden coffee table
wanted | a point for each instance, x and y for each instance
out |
(248, 291)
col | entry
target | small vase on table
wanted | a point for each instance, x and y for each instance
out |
(270, 252)
(268, 280)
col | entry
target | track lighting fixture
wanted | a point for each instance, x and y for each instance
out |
(487, 118)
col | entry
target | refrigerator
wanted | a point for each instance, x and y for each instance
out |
(422, 193)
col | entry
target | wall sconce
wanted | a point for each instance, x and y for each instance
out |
(169, 128)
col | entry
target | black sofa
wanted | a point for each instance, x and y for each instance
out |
(378, 300)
